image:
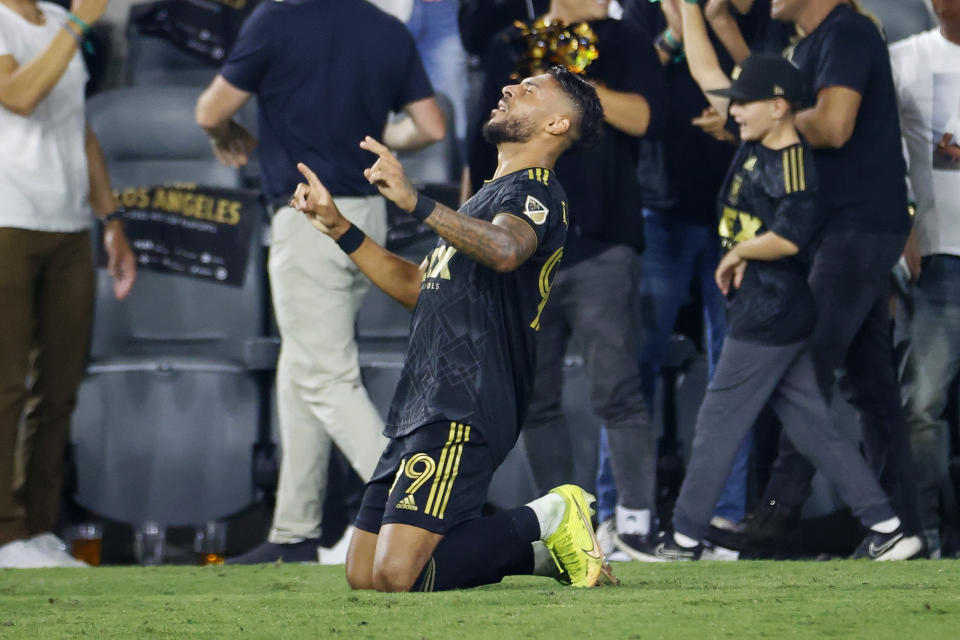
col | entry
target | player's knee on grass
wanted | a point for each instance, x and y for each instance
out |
(360, 555)
(395, 574)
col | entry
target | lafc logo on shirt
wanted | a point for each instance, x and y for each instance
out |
(535, 210)
(438, 265)
(737, 226)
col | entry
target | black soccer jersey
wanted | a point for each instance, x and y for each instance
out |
(771, 190)
(471, 353)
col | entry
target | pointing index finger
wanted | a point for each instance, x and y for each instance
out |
(311, 177)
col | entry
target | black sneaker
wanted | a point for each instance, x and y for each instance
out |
(303, 551)
(889, 546)
(636, 546)
(666, 549)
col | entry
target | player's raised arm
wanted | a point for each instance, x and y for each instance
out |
(398, 278)
(502, 245)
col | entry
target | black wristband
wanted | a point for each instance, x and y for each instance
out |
(118, 214)
(424, 208)
(351, 240)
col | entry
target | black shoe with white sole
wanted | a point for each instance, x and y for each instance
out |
(665, 549)
(889, 546)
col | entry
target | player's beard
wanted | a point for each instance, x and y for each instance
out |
(507, 130)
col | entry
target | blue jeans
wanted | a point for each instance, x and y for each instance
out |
(676, 253)
(436, 31)
(933, 364)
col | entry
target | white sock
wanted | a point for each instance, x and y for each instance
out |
(549, 510)
(633, 521)
(684, 541)
(887, 526)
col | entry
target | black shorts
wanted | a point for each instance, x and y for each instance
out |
(434, 478)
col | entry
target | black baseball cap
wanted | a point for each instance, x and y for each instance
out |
(764, 76)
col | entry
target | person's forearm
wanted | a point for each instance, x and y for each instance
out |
(491, 245)
(701, 58)
(101, 193)
(727, 30)
(24, 87)
(403, 135)
(628, 112)
(395, 276)
(766, 247)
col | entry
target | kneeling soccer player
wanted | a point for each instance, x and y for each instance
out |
(768, 221)
(468, 372)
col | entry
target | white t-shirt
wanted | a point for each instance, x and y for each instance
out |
(44, 182)
(926, 69)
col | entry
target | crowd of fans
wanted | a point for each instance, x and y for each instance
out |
(880, 112)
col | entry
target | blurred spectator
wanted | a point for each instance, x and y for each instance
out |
(900, 18)
(481, 20)
(927, 74)
(308, 113)
(854, 130)
(436, 31)
(52, 173)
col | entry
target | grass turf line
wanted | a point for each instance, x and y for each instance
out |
(840, 599)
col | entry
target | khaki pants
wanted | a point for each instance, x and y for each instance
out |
(46, 307)
(317, 291)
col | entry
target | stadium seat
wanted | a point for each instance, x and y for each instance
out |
(177, 392)
(152, 60)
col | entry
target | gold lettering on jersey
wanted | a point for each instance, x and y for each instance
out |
(546, 284)
(539, 173)
(735, 185)
(750, 164)
(735, 74)
(546, 176)
(564, 207)
(737, 226)
(438, 266)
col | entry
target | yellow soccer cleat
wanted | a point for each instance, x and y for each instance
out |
(574, 544)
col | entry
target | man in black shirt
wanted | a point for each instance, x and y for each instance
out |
(769, 219)
(477, 305)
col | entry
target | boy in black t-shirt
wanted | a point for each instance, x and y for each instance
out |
(768, 220)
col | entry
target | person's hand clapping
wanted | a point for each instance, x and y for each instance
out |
(387, 175)
(314, 201)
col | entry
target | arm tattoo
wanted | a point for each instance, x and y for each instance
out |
(501, 248)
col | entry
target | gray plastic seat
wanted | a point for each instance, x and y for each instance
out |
(151, 60)
(171, 407)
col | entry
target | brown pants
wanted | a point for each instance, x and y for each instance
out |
(46, 308)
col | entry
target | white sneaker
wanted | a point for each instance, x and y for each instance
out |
(719, 554)
(20, 554)
(607, 537)
(55, 550)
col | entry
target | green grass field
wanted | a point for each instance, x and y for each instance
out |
(840, 599)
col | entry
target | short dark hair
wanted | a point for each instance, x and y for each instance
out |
(589, 125)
